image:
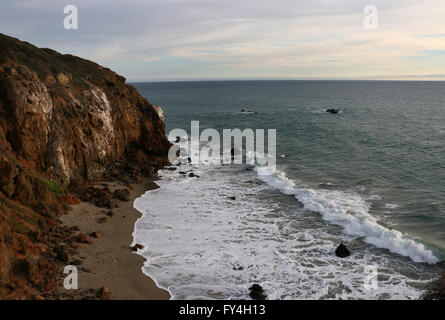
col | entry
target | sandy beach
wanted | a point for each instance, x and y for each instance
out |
(109, 261)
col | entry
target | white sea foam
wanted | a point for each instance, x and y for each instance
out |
(351, 211)
(200, 244)
(391, 206)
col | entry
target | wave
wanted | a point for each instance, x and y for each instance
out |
(351, 211)
(202, 244)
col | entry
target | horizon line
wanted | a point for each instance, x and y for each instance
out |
(278, 79)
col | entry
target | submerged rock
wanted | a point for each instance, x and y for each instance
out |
(342, 251)
(193, 175)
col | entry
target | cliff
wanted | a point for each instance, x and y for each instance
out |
(65, 122)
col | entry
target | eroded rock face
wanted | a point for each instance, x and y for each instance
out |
(29, 109)
(65, 122)
(5, 265)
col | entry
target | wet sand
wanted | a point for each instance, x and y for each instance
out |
(110, 259)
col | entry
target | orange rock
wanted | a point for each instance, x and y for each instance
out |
(83, 238)
(96, 234)
(76, 245)
(104, 291)
(69, 199)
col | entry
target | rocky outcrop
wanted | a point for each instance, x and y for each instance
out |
(65, 122)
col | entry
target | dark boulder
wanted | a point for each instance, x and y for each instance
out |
(257, 292)
(342, 251)
(137, 247)
(103, 199)
(63, 257)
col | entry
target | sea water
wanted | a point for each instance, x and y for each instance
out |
(370, 177)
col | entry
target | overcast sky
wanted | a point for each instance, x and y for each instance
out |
(241, 39)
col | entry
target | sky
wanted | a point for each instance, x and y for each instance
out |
(161, 40)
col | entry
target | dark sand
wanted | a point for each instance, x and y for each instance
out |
(110, 259)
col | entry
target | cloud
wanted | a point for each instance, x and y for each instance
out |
(160, 39)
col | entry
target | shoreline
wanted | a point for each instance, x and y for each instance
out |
(109, 260)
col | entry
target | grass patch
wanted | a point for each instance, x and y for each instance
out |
(54, 187)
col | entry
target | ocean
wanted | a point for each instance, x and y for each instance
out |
(371, 177)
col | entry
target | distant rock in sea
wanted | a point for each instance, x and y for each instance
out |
(248, 111)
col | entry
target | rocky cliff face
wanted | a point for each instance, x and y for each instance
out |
(64, 122)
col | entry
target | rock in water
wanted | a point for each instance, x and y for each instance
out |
(333, 111)
(257, 292)
(342, 251)
(192, 175)
(137, 247)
